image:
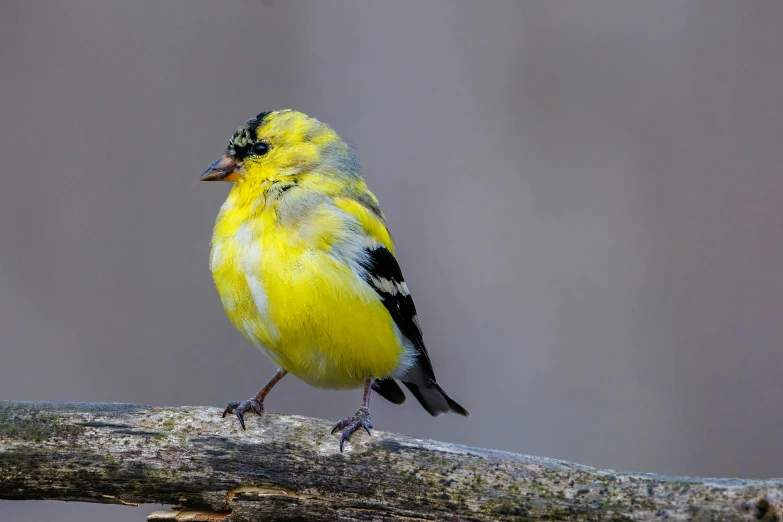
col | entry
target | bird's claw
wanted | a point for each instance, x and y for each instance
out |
(240, 408)
(351, 424)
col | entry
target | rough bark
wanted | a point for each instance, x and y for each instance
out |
(289, 468)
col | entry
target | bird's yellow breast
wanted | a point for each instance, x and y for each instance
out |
(288, 277)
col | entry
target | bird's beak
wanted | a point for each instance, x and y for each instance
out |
(224, 169)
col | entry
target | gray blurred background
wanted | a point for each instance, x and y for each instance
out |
(587, 199)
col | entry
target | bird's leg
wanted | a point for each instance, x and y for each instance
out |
(360, 420)
(254, 403)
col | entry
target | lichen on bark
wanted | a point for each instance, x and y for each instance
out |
(290, 468)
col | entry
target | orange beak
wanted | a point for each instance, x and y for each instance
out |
(224, 169)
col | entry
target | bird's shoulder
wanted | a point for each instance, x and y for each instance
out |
(367, 214)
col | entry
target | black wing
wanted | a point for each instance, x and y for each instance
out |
(384, 275)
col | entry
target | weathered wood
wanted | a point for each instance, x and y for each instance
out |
(289, 468)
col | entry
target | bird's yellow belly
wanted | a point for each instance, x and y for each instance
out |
(308, 312)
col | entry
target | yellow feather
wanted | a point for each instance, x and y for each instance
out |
(373, 226)
(286, 263)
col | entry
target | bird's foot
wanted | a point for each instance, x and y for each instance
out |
(351, 424)
(240, 408)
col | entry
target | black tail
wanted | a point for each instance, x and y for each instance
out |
(431, 396)
(389, 390)
(434, 399)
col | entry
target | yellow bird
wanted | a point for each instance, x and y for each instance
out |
(305, 268)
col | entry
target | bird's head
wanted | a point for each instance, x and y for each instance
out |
(282, 143)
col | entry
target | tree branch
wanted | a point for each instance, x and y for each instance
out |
(289, 468)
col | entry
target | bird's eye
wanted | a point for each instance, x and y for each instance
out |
(260, 148)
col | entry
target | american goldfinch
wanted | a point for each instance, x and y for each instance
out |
(305, 268)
